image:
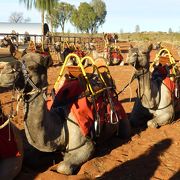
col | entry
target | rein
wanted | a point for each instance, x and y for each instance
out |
(35, 91)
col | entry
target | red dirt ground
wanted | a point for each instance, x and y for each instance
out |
(149, 154)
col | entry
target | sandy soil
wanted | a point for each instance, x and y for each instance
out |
(148, 154)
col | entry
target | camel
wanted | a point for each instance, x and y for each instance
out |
(111, 54)
(67, 49)
(155, 103)
(11, 152)
(55, 129)
(14, 52)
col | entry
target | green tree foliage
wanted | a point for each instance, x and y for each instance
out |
(60, 15)
(89, 17)
(100, 10)
(53, 19)
(41, 5)
(65, 12)
(84, 17)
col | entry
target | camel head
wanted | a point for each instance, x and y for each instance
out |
(8, 73)
(57, 47)
(139, 56)
(32, 66)
(6, 41)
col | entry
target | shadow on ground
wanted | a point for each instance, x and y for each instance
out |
(136, 169)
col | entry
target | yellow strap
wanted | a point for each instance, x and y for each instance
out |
(82, 69)
(171, 59)
(80, 61)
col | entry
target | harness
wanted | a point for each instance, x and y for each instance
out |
(92, 93)
(159, 81)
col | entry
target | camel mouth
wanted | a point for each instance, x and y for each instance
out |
(8, 73)
(3, 44)
(2, 65)
(133, 63)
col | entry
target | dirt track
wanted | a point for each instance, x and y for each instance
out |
(148, 154)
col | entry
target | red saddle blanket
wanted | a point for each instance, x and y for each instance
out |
(82, 109)
(169, 84)
(116, 55)
(8, 147)
(163, 72)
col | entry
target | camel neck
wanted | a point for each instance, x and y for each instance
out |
(144, 90)
(39, 122)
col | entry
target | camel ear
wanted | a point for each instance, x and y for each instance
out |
(150, 47)
(130, 46)
(47, 61)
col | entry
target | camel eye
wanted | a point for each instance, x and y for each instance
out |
(32, 67)
(144, 52)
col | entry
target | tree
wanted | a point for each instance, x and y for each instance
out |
(16, 17)
(99, 8)
(65, 13)
(42, 6)
(53, 19)
(60, 15)
(84, 17)
(170, 30)
(137, 28)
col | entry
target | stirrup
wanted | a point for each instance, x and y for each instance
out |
(116, 117)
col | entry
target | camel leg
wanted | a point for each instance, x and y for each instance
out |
(75, 158)
(139, 114)
(10, 167)
(160, 120)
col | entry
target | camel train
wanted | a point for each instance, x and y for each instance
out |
(110, 52)
(72, 123)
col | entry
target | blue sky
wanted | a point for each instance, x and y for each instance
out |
(150, 15)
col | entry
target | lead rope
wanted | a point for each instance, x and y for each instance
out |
(128, 85)
(12, 114)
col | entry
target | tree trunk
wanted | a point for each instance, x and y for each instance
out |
(52, 33)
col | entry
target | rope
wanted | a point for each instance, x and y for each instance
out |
(5, 123)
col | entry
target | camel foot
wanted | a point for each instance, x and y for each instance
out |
(65, 168)
(152, 124)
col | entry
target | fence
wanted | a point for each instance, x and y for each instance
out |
(38, 38)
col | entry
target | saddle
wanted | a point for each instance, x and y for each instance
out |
(90, 97)
(165, 67)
